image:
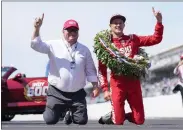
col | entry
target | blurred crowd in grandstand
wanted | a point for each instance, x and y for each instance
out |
(163, 87)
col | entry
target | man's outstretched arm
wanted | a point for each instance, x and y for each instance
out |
(158, 32)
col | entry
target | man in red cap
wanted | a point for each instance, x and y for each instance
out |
(123, 87)
(70, 64)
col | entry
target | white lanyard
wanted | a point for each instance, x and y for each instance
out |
(72, 54)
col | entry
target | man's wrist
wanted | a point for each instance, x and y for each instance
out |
(159, 21)
(95, 84)
(36, 29)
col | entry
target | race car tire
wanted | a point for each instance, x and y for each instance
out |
(7, 117)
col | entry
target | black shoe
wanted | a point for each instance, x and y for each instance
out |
(62, 116)
(177, 88)
(68, 118)
(100, 121)
(106, 119)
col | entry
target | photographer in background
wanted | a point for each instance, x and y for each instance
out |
(179, 72)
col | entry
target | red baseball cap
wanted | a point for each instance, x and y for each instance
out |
(71, 23)
(181, 56)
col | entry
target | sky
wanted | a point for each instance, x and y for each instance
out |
(18, 17)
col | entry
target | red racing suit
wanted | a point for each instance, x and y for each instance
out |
(123, 87)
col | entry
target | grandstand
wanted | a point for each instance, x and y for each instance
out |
(166, 60)
(161, 79)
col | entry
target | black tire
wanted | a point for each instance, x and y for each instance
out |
(7, 117)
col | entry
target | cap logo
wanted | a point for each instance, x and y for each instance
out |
(72, 22)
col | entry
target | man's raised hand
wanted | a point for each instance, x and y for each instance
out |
(38, 22)
(157, 14)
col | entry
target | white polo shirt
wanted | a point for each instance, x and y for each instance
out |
(61, 75)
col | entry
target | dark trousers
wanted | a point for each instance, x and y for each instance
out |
(58, 102)
(177, 88)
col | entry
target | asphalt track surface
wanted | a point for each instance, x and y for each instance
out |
(150, 124)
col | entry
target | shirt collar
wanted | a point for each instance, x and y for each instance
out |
(67, 44)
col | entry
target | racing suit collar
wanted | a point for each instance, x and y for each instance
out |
(123, 37)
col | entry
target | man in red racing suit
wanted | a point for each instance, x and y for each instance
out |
(122, 87)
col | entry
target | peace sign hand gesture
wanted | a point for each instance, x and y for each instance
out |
(157, 14)
(38, 22)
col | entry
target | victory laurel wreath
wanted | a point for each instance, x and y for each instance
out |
(119, 64)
